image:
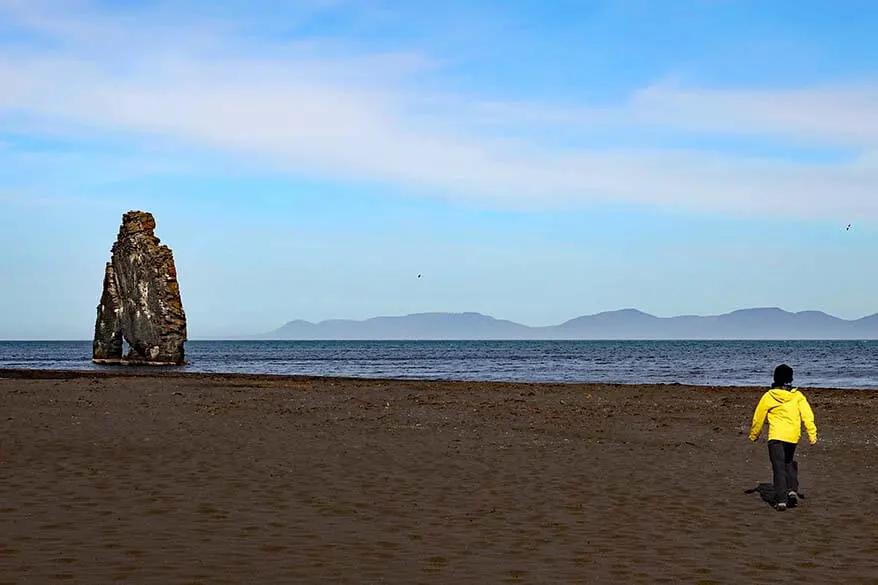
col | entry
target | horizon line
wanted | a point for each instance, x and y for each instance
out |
(517, 339)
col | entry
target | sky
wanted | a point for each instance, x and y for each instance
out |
(531, 160)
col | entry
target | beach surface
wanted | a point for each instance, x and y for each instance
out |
(208, 479)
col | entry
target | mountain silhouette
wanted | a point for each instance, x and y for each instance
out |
(756, 323)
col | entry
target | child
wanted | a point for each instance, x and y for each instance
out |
(787, 409)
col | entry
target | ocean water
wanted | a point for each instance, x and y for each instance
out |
(834, 364)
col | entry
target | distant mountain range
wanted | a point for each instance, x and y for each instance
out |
(760, 323)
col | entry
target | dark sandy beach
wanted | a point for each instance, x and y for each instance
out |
(209, 479)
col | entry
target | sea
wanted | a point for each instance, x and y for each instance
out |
(825, 364)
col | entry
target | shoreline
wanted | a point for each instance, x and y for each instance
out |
(122, 371)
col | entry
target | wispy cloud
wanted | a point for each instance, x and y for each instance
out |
(840, 115)
(290, 107)
(25, 198)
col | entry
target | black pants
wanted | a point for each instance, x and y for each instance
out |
(785, 469)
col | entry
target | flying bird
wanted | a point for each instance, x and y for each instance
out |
(847, 229)
(419, 276)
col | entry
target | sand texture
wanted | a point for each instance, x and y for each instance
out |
(171, 479)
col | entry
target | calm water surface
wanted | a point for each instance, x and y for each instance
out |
(836, 364)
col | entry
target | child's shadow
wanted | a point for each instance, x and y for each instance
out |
(766, 492)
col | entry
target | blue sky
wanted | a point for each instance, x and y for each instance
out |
(534, 161)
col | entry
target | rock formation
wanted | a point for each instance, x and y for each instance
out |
(140, 303)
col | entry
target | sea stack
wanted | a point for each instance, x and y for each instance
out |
(140, 302)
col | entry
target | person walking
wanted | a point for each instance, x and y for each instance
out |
(787, 410)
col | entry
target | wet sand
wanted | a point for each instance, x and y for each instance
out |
(210, 479)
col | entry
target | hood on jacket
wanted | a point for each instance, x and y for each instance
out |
(782, 395)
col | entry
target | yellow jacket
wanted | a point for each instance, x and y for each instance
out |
(786, 410)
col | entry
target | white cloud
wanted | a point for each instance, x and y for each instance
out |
(830, 115)
(827, 116)
(362, 118)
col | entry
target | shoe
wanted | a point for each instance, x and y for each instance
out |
(780, 506)
(792, 499)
